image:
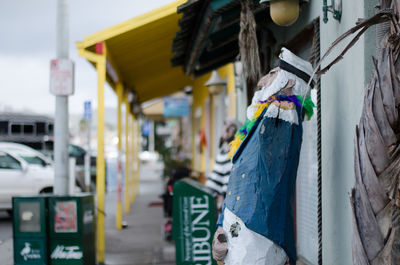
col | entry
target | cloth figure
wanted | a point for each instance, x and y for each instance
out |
(257, 217)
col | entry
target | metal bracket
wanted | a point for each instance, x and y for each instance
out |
(335, 8)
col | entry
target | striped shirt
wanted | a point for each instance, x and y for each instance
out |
(219, 177)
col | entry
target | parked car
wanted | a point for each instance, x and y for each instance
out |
(33, 156)
(30, 155)
(20, 177)
(79, 154)
(34, 169)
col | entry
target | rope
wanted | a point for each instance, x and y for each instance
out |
(248, 45)
(315, 58)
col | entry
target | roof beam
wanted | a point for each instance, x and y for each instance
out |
(131, 24)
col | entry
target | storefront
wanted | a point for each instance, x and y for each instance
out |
(208, 39)
(133, 57)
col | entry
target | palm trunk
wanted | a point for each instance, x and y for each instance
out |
(375, 197)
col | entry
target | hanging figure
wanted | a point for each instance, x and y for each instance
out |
(218, 179)
(257, 222)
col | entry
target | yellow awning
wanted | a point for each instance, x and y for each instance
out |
(139, 51)
(154, 111)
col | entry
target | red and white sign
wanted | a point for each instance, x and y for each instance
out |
(65, 219)
(61, 77)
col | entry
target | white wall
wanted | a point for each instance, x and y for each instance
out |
(342, 98)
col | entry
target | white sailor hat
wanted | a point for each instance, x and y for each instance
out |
(290, 62)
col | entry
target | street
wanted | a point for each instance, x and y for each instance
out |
(5, 227)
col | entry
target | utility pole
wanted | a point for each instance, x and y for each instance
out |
(61, 85)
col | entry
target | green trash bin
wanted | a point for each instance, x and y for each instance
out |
(72, 230)
(30, 230)
(194, 222)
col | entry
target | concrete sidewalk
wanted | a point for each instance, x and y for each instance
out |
(141, 243)
(6, 252)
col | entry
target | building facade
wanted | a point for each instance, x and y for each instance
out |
(340, 102)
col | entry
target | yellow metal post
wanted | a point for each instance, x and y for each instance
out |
(212, 131)
(133, 156)
(230, 76)
(118, 216)
(100, 61)
(100, 181)
(127, 168)
(138, 135)
(203, 153)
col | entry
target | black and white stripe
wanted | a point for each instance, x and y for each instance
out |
(218, 179)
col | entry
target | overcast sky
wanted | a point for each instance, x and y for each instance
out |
(27, 43)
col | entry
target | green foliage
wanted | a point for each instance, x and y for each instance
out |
(169, 155)
(170, 160)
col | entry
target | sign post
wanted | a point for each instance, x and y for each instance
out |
(87, 115)
(61, 85)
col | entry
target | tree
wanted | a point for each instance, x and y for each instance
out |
(375, 197)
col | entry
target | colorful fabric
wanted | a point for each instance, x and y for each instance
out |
(262, 183)
(305, 104)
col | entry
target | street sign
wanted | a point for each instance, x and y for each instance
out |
(146, 129)
(87, 114)
(61, 77)
(176, 107)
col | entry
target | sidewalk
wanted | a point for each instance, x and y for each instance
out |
(141, 243)
(6, 251)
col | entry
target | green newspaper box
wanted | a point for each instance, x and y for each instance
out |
(72, 230)
(194, 221)
(30, 230)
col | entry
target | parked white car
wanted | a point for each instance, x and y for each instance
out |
(23, 171)
(30, 155)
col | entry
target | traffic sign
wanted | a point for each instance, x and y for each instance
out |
(176, 107)
(61, 77)
(87, 114)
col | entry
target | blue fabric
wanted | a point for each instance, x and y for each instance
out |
(263, 180)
